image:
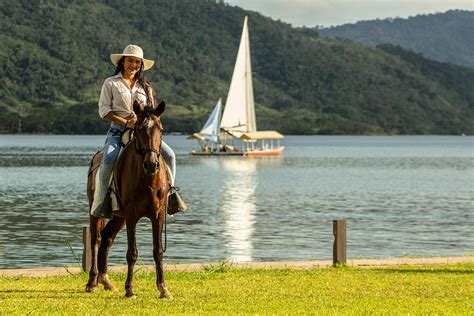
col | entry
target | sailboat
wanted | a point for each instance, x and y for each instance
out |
(238, 123)
(208, 137)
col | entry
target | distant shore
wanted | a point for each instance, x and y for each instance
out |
(309, 264)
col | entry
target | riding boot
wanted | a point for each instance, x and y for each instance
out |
(176, 204)
(104, 209)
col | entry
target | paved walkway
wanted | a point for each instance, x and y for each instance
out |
(44, 272)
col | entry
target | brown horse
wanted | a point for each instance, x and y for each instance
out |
(142, 187)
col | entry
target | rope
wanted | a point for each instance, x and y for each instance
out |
(166, 234)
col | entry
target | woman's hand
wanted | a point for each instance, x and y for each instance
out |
(131, 122)
(128, 122)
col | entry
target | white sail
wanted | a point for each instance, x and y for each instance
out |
(212, 127)
(239, 112)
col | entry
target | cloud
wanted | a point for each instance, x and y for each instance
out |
(336, 12)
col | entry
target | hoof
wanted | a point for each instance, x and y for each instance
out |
(91, 289)
(166, 295)
(108, 286)
(130, 296)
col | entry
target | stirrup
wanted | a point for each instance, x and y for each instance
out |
(176, 203)
(174, 189)
(104, 210)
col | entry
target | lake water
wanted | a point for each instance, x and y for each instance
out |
(400, 195)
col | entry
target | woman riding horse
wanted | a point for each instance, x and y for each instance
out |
(142, 187)
(142, 181)
(119, 92)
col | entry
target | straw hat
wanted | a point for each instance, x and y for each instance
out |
(134, 51)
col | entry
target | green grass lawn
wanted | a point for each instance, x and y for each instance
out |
(447, 289)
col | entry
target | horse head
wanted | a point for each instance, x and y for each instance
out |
(148, 134)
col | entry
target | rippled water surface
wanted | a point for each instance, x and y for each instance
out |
(399, 195)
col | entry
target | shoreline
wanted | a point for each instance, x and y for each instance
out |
(193, 267)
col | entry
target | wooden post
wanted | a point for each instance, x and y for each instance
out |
(86, 253)
(339, 248)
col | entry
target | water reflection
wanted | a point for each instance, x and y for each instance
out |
(238, 205)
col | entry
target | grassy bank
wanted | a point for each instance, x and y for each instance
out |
(446, 289)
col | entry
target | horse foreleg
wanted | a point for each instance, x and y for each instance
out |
(108, 234)
(96, 225)
(132, 255)
(157, 227)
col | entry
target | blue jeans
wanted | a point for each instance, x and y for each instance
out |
(112, 148)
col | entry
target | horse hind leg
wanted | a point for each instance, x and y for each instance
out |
(96, 225)
(157, 228)
(109, 233)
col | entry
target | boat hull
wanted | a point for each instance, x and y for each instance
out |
(249, 153)
(265, 152)
(217, 153)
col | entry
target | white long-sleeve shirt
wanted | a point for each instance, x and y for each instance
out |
(117, 97)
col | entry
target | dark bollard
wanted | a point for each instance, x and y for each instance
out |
(339, 248)
(86, 253)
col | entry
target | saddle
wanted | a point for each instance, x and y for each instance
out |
(111, 197)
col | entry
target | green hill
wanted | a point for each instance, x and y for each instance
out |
(446, 37)
(55, 55)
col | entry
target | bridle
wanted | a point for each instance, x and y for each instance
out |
(142, 151)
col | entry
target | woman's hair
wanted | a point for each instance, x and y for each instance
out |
(140, 77)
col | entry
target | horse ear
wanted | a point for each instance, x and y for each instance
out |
(136, 107)
(160, 108)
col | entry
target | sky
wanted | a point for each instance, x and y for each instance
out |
(337, 12)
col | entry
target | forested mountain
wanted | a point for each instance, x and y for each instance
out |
(55, 55)
(446, 37)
